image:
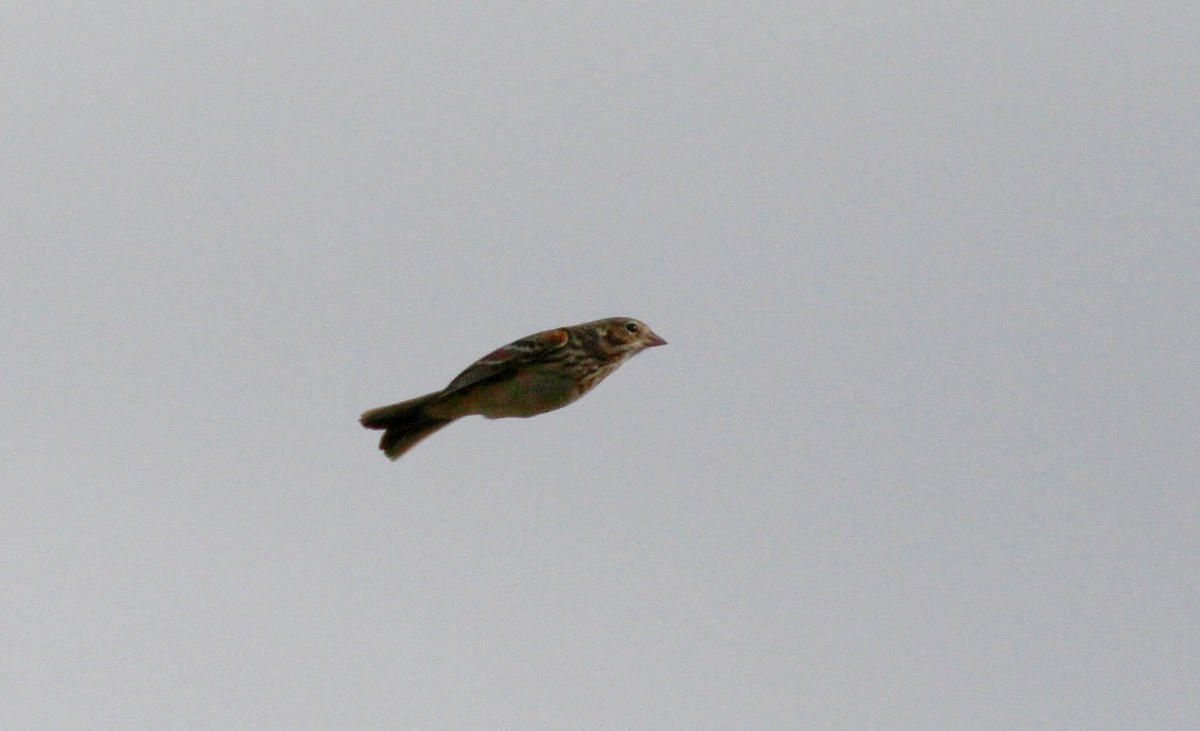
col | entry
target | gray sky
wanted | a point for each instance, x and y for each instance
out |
(922, 452)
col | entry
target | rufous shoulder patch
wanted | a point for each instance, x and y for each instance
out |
(555, 337)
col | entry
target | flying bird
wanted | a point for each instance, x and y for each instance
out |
(530, 376)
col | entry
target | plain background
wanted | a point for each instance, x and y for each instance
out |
(921, 453)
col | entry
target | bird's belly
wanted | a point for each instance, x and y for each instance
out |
(526, 394)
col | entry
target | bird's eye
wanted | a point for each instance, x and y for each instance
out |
(631, 327)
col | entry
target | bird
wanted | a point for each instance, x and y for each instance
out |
(538, 373)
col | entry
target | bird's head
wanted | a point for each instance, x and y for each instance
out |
(626, 335)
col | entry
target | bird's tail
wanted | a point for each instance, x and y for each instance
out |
(404, 424)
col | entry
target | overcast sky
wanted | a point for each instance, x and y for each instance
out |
(923, 451)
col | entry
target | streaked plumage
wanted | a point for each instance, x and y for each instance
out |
(530, 376)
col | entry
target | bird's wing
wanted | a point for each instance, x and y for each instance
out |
(511, 357)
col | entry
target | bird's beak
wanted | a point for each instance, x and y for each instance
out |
(653, 340)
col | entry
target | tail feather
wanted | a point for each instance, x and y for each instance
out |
(404, 424)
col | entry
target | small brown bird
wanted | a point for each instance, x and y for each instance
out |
(530, 376)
